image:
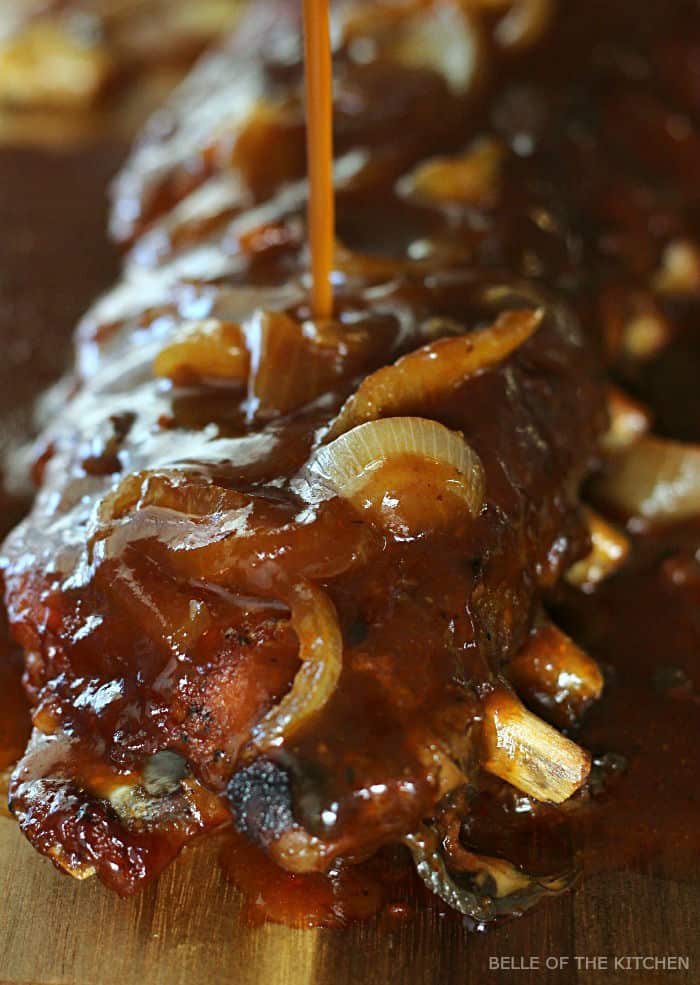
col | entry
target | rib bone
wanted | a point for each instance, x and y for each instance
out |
(555, 675)
(529, 754)
(629, 420)
(609, 549)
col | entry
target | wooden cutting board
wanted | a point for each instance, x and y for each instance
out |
(186, 928)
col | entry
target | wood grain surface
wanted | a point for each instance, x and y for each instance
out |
(186, 928)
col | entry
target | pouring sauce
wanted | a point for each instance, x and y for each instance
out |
(319, 110)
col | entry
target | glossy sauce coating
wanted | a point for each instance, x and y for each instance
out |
(542, 247)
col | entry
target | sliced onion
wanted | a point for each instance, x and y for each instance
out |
(528, 753)
(192, 497)
(227, 537)
(266, 124)
(204, 349)
(472, 178)
(168, 617)
(655, 479)
(315, 622)
(295, 362)
(399, 447)
(434, 369)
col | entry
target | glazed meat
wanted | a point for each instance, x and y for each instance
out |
(278, 569)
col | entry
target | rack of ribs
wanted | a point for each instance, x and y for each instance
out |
(289, 574)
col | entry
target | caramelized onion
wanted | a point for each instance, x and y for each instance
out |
(384, 466)
(204, 349)
(230, 538)
(655, 479)
(528, 753)
(191, 496)
(315, 622)
(471, 178)
(287, 363)
(268, 124)
(434, 369)
(172, 620)
(294, 362)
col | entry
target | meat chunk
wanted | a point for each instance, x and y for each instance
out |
(302, 573)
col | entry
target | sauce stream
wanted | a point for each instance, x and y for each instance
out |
(319, 109)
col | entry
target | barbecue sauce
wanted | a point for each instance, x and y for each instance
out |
(645, 732)
(319, 110)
